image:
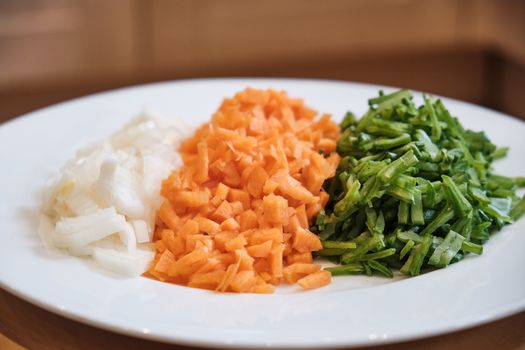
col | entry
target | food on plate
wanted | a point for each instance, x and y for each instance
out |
(103, 202)
(251, 197)
(236, 215)
(414, 190)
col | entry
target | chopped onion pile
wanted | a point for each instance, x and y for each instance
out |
(103, 202)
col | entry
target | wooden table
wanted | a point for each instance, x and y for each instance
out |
(35, 328)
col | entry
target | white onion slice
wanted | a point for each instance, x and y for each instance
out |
(121, 262)
(103, 202)
(82, 230)
(142, 232)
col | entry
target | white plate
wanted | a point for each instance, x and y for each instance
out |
(352, 311)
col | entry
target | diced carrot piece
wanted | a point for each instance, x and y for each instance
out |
(305, 241)
(293, 224)
(158, 229)
(216, 201)
(333, 163)
(211, 265)
(206, 210)
(207, 225)
(327, 145)
(263, 289)
(175, 244)
(190, 144)
(231, 271)
(243, 282)
(256, 181)
(300, 258)
(192, 242)
(155, 274)
(201, 174)
(224, 211)
(190, 227)
(258, 124)
(297, 166)
(188, 263)
(313, 209)
(300, 193)
(270, 186)
(208, 280)
(230, 225)
(231, 175)
(301, 215)
(287, 248)
(222, 191)
(275, 209)
(291, 277)
(237, 208)
(248, 220)
(260, 250)
(319, 163)
(315, 280)
(168, 216)
(323, 198)
(172, 182)
(314, 179)
(262, 235)
(266, 276)
(227, 259)
(276, 261)
(246, 261)
(235, 195)
(222, 238)
(190, 198)
(160, 246)
(254, 96)
(303, 268)
(165, 261)
(236, 243)
(226, 134)
(262, 266)
(291, 187)
(244, 161)
(245, 143)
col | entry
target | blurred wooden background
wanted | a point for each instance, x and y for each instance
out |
(53, 50)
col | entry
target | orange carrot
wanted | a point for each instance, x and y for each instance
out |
(315, 280)
(236, 215)
(236, 243)
(224, 211)
(230, 225)
(275, 209)
(201, 173)
(243, 282)
(165, 261)
(260, 250)
(257, 179)
(208, 280)
(168, 215)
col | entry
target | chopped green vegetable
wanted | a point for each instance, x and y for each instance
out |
(445, 252)
(408, 246)
(340, 245)
(414, 190)
(382, 269)
(348, 269)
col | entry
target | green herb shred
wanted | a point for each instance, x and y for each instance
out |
(414, 190)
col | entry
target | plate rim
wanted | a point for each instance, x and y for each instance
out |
(459, 325)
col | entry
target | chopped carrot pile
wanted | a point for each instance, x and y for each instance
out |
(236, 215)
